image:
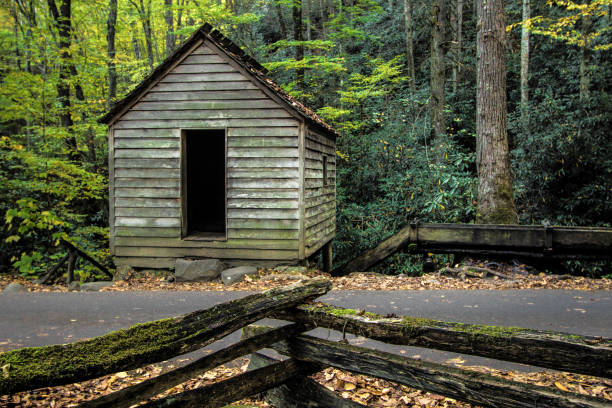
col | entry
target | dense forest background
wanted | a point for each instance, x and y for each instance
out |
(397, 78)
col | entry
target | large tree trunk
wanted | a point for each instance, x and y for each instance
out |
(525, 67)
(298, 36)
(145, 343)
(111, 52)
(457, 27)
(438, 67)
(495, 192)
(63, 22)
(409, 44)
(560, 351)
(169, 18)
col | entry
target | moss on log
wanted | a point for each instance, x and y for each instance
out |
(146, 343)
(560, 351)
(142, 391)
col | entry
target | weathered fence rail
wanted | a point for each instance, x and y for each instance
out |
(30, 368)
(530, 241)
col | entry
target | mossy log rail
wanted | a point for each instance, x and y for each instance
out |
(559, 351)
(464, 385)
(530, 241)
(30, 368)
(142, 391)
(225, 392)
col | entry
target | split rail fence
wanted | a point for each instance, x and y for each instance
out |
(287, 380)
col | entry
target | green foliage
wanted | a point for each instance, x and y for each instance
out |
(389, 170)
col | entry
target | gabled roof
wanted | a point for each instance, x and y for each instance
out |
(252, 67)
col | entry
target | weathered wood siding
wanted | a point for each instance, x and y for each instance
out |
(205, 91)
(319, 195)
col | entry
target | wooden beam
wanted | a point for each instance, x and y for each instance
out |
(507, 240)
(298, 392)
(146, 343)
(559, 351)
(464, 385)
(236, 388)
(85, 255)
(129, 396)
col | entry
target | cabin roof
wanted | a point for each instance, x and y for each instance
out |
(252, 67)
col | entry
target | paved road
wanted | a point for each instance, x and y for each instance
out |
(34, 319)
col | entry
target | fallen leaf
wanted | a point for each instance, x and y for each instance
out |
(561, 386)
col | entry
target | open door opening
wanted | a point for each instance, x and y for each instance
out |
(204, 201)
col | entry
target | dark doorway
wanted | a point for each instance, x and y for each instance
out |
(204, 183)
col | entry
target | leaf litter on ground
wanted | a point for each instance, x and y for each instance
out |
(366, 390)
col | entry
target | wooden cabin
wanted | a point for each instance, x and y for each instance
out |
(208, 158)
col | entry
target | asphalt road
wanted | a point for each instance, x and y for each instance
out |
(35, 319)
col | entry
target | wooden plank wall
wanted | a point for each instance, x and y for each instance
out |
(205, 91)
(320, 199)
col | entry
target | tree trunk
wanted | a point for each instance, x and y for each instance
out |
(135, 43)
(169, 18)
(146, 343)
(463, 385)
(62, 19)
(298, 36)
(457, 27)
(409, 44)
(495, 191)
(558, 351)
(525, 68)
(111, 52)
(585, 58)
(144, 12)
(179, 17)
(438, 68)
(281, 21)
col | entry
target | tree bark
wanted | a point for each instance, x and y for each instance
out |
(463, 385)
(558, 351)
(62, 19)
(144, 13)
(525, 67)
(495, 191)
(135, 43)
(169, 18)
(298, 36)
(281, 20)
(111, 52)
(409, 44)
(585, 58)
(146, 343)
(457, 26)
(438, 68)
